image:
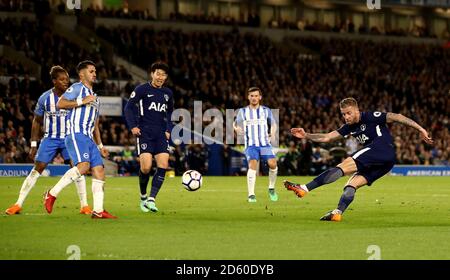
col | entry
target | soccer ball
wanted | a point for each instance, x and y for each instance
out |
(192, 180)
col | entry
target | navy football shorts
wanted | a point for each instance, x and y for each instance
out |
(152, 146)
(374, 161)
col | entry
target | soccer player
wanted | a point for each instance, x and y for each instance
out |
(374, 160)
(255, 121)
(148, 114)
(53, 141)
(81, 132)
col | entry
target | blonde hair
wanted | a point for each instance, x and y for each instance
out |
(349, 101)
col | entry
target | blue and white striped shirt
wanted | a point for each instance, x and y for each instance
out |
(256, 124)
(81, 119)
(54, 118)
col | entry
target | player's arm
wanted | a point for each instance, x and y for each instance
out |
(39, 112)
(64, 103)
(316, 137)
(98, 140)
(35, 134)
(71, 98)
(131, 112)
(393, 117)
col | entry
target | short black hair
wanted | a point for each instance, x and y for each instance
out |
(84, 64)
(159, 65)
(55, 70)
(252, 89)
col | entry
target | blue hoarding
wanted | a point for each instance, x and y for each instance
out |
(421, 170)
(12, 170)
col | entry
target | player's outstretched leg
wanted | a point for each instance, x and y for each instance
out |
(27, 185)
(326, 177)
(347, 197)
(70, 176)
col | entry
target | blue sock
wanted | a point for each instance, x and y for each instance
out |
(157, 181)
(346, 198)
(326, 177)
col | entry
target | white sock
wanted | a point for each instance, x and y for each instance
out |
(98, 194)
(71, 175)
(27, 185)
(251, 179)
(81, 190)
(272, 177)
(304, 187)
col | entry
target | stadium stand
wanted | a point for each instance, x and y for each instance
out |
(303, 76)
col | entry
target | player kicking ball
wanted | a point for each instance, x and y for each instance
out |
(83, 140)
(374, 160)
(148, 113)
(257, 124)
(52, 143)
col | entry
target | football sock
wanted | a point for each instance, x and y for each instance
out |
(98, 194)
(143, 182)
(27, 185)
(272, 177)
(346, 198)
(70, 176)
(157, 181)
(326, 177)
(80, 183)
(251, 179)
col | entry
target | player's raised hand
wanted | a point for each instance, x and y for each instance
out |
(425, 137)
(89, 99)
(167, 135)
(136, 131)
(298, 132)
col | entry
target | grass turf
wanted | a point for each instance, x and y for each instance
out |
(407, 217)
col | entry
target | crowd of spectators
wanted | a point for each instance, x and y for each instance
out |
(17, 5)
(253, 20)
(39, 43)
(350, 27)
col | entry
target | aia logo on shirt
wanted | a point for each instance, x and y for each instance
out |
(157, 107)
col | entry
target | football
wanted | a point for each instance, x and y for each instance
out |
(192, 180)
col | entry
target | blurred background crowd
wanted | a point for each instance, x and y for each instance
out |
(304, 77)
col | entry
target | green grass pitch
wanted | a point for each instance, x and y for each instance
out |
(406, 217)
